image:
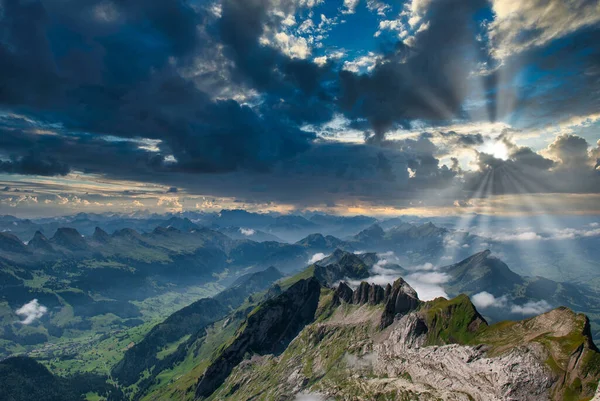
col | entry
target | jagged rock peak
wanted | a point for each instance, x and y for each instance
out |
(401, 300)
(268, 330)
(402, 296)
(368, 293)
(344, 292)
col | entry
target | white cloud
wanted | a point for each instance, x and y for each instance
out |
(170, 202)
(316, 257)
(247, 231)
(320, 60)
(306, 26)
(378, 7)
(428, 284)
(528, 235)
(350, 6)
(31, 311)
(309, 3)
(531, 308)
(290, 20)
(293, 46)
(363, 63)
(424, 266)
(485, 300)
(391, 25)
(24, 200)
(519, 25)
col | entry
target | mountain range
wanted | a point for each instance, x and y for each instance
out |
(185, 310)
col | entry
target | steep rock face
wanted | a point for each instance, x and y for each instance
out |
(398, 299)
(368, 293)
(343, 292)
(442, 350)
(455, 369)
(268, 329)
(402, 298)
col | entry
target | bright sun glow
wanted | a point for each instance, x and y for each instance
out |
(495, 148)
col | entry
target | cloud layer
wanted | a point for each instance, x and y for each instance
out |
(258, 101)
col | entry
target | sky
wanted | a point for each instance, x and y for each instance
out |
(427, 107)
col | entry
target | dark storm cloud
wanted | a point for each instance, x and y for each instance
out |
(101, 77)
(332, 174)
(34, 164)
(294, 88)
(425, 81)
(113, 68)
(87, 153)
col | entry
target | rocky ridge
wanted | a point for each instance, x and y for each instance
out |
(383, 343)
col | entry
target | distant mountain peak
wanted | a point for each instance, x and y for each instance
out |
(481, 272)
(11, 243)
(100, 235)
(339, 266)
(69, 238)
(39, 242)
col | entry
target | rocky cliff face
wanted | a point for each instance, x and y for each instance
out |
(383, 343)
(267, 330)
(397, 299)
(458, 372)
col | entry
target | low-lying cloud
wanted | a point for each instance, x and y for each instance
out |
(531, 308)
(423, 278)
(247, 231)
(428, 285)
(316, 257)
(484, 300)
(547, 235)
(31, 311)
(309, 397)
